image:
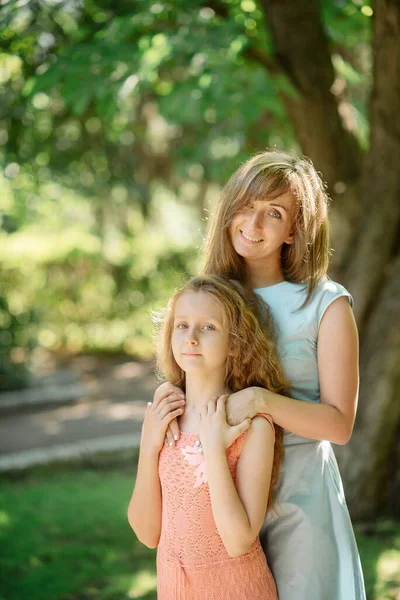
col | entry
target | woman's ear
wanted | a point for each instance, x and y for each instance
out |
(290, 238)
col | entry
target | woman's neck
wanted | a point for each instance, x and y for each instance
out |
(263, 273)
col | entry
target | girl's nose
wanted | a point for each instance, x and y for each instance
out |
(191, 340)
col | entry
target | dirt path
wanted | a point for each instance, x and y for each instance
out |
(114, 394)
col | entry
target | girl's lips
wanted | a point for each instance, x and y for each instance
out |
(190, 354)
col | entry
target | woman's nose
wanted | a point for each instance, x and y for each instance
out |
(256, 219)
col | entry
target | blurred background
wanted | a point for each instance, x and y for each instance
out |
(119, 123)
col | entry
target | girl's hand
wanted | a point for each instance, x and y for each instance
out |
(215, 433)
(157, 418)
(245, 405)
(163, 391)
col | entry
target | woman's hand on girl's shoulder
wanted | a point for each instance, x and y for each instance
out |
(167, 390)
(158, 416)
(242, 405)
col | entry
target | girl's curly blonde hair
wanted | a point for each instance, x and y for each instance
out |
(252, 358)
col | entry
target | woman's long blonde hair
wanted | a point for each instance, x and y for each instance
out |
(252, 359)
(265, 176)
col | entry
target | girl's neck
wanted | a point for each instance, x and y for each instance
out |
(199, 391)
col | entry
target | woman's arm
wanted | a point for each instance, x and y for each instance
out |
(240, 511)
(337, 355)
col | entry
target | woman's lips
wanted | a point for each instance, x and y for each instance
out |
(246, 240)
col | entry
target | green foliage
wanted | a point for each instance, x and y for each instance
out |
(112, 114)
(13, 336)
(93, 289)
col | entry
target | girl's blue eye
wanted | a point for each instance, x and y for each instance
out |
(209, 327)
(181, 326)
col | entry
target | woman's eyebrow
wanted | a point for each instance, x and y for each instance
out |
(280, 206)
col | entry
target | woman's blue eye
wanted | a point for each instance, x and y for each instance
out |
(276, 214)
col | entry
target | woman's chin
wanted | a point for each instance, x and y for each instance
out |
(246, 251)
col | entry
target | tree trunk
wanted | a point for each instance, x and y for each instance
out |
(302, 51)
(366, 224)
(367, 461)
(373, 275)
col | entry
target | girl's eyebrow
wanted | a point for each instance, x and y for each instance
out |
(201, 318)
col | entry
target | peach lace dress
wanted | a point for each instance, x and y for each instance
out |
(192, 563)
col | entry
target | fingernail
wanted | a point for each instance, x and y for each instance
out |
(171, 443)
(176, 438)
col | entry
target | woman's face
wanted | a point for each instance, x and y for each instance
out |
(261, 228)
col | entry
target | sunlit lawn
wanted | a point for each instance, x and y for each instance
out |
(64, 536)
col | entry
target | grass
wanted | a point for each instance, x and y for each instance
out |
(379, 546)
(64, 536)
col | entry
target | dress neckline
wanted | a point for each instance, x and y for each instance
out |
(269, 287)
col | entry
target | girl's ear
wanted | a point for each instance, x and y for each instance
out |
(231, 351)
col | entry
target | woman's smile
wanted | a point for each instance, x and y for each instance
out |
(249, 238)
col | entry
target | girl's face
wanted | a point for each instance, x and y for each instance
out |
(200, 340)
(260, 229)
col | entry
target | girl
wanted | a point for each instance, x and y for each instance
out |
(270, 231)
(203, 502)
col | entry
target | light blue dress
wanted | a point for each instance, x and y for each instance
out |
(310, 544)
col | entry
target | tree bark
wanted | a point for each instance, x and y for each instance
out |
(367, 461)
